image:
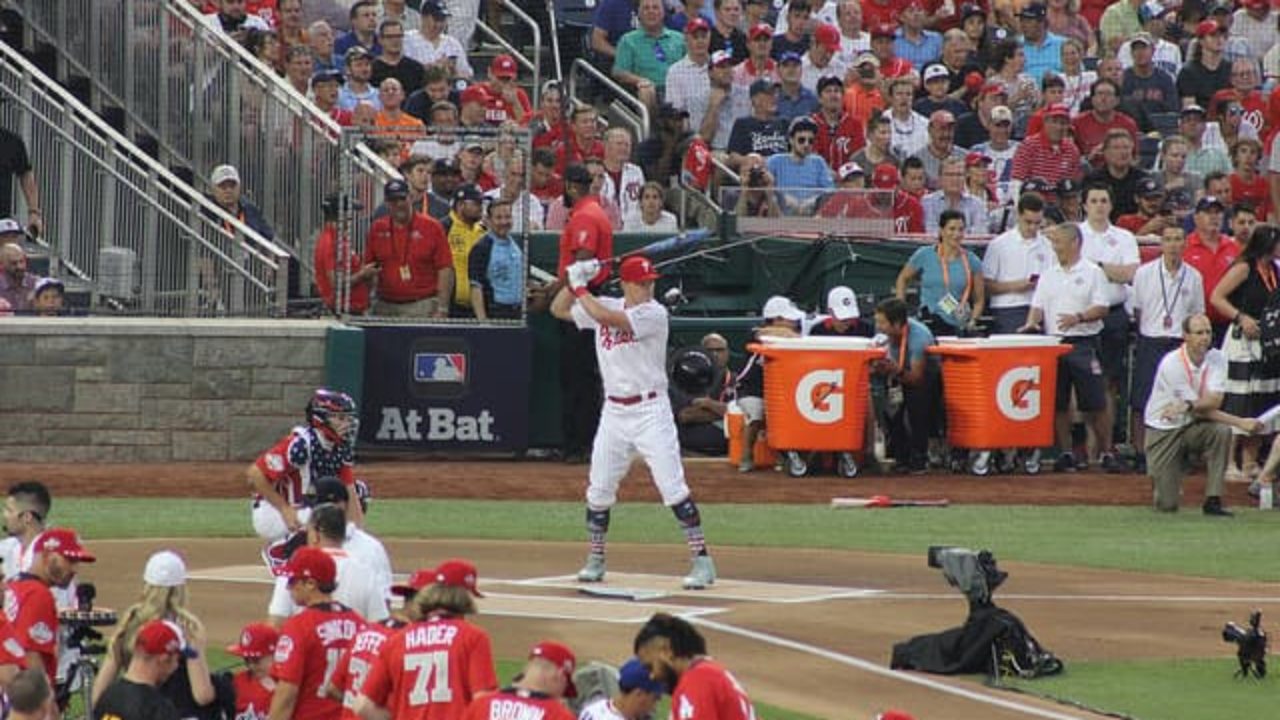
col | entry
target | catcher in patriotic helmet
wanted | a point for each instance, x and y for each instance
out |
(333, 414)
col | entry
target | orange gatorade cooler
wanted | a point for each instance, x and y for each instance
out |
(999, 391)
(815, 391)
(762, 455)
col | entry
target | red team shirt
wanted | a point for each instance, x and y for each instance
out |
(307, 654)
(253, 699)
(411, 257)
(517, 704)
(299, 459)
(33, 617)
(326, 260)
(839, 142)
(707, 691)
(432, 670)
(588, 228)
(353, 669)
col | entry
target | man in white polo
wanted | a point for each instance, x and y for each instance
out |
(1183, 418)
(1069, 302)
(1013, 264)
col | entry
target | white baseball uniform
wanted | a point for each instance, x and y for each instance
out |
(601, 709)
(636, 417)
(356, 590)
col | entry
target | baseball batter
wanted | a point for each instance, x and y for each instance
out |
(631, 346)
(284, 474)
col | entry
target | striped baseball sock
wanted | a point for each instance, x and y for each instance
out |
(696, 540)
(596, 540)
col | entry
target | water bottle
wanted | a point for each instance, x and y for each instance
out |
(1266, 498)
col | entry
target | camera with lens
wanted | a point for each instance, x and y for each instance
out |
(975, 574)
(1251, 645)
(755, 178)
(79, 622)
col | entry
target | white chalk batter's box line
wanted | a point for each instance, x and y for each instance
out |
(715, 591)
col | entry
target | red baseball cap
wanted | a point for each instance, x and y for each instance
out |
(458, 573)
(1057, 110)
(257, 640)
(418, 580)
(64, 542)
(885, 177)
(562, 657)
(884, 30)
(828, 36)
(895, 715)
(503, 66)
(1208, 27)
(638, 268)
(976, 158)
(311, 563)
(698, 24)
(760, 30)
(474, 93)
(163, 637)
(994, 89)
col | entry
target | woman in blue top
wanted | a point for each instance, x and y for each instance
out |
(952, 293)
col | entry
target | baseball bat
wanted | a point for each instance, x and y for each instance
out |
(884, 501)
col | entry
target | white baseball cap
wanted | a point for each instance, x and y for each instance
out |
(165, 569)
(10, 226)
(933, 72)
(781, 307)
(223, 173)
(843, 303)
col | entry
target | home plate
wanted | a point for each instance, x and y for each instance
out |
(647, 587)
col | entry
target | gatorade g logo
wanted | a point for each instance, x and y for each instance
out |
(820, 396)
(1018, 393)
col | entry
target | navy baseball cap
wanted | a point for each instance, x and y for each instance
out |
(468, 192)
(326, 76)
(434, 9)
(1150, 187)
(1209, 201)
(1034, 11)
(790, 56)
(633, 675)
(762, 86)
(330, 490)
(395, 189)
(1067, 186)
(446, 166)
(828, 81)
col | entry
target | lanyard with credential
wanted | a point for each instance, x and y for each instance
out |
(1191, 377)
(1164, 297)
(946, 276)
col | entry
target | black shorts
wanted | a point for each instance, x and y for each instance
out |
(1146, 360)
(1006, 321)
(1080, 369)
(1114, 352)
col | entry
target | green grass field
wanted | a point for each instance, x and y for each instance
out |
(1109, 537)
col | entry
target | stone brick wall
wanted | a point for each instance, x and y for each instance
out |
(148, 390)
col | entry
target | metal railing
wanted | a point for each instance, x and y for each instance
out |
(146, 242)
(205, 101)
(641, 121)
(534, 65)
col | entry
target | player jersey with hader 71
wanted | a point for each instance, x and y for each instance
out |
(432, 669)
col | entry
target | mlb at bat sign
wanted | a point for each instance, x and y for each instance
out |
(446, 388)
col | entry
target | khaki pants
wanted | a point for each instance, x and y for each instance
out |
(424, 308)
(1167, 452)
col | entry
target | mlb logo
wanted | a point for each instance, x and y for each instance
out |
(440, 367)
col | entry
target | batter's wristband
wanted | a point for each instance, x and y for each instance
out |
(581, 291)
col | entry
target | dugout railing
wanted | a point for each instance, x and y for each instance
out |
(204, 101)
(142, 240)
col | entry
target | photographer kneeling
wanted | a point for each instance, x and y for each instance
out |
(758, 197)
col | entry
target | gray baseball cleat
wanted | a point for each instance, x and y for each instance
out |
(702, 575)
(593, 571)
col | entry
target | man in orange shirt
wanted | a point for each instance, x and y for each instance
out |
(415, 266)
(391, 119)
(863, 98)
(359, 276)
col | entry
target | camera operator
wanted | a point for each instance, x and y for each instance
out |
(757, 198)
(164, 596)
(29, 604)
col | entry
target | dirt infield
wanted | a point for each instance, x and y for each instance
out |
(809, 630)
(712, 481)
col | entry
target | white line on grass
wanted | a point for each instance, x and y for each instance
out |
(868, 666)
(1085, 598)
